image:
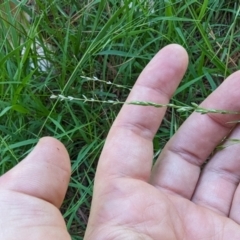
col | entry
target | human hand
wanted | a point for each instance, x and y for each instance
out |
(174, 200)
(32, 192)
(131, 201)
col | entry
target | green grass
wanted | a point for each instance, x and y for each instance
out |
(112, 42)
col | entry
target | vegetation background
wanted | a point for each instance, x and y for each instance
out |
(99, 48)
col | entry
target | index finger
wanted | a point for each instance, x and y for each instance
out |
(128, 150)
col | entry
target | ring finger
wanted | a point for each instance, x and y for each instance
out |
(220, 178)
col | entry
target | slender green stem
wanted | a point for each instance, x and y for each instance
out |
(195, 107)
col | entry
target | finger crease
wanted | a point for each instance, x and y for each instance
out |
(159, 91)
(188, 156)
(226, 175)
(138, 129)
(221, 124)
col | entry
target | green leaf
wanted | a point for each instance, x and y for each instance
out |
(5, 110)
(20, 109)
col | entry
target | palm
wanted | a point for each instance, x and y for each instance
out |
(175, 199)
(161, 215)
(140, 211)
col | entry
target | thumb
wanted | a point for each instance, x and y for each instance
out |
(44, 173)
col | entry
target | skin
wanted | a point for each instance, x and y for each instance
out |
(132, 200)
